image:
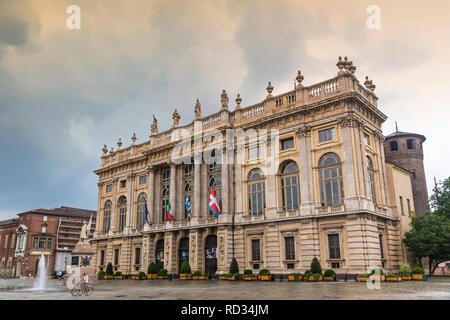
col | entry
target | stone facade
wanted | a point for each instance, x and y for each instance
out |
(328, 144)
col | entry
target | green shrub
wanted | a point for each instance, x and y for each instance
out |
(375, 270)
(197, 273)
(152, 268)
(234, 267)
(101, 273)
(418, 271)
(264, 272)
(317, 276)
(391, 275)
(141, 274)
(315, 266)
(329, 273)
(405, 270)
(185, 267)
(248, 272)
(308, 273)
(118, 274)
(109, 269)
(163, 272)
(363, 275)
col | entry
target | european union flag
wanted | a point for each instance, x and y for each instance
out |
(146, 213)
(188, 206)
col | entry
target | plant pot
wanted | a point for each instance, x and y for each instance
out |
(332, 278)
(406, 278)
(393, 278)
(162, 277)
(417, 276)
(200, 277)
(311, 278)
(374, 277)
(152, 276)
(100, 277)
(185, 276)
(223, 277)
(362, 279)
(295, 277)
(264, 277)
(249, 277)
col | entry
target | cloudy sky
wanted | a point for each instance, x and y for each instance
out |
(64, 93)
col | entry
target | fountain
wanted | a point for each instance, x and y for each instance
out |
(41, 282)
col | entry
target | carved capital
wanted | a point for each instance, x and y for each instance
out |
(379, 137)
(350, 120)
(304, 131)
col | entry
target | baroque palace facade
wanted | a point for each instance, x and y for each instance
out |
(330, 196)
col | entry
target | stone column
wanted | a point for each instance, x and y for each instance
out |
(197, 189)
(156, 214)
(130, 202)
(173, 189)
(305, 171)
(379, 139)
(99, 219)
(205, 191)
(225, 189)
(150, 194)
(238, 177)
(114, 206)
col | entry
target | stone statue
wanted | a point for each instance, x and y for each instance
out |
(154, 125)
(84, 232)
(224, 100)
(176, 118)
(198, 110)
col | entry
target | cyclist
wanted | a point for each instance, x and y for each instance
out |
(84, 284)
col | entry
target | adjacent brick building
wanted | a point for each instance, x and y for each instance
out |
(7, 245)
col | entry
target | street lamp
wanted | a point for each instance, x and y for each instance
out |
(65, 264)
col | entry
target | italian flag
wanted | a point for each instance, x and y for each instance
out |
(169, 212)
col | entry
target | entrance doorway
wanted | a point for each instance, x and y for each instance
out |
(159, 255)
(211, 255)
(183, 252)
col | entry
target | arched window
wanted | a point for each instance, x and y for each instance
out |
(215, 181)
(122, 212)
(165, 192)
(256, 191)
(369, 165)
(330, 177)
(189, 186)
(289, 186)
(107, 216)
(140, 212)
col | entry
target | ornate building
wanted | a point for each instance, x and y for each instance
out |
(328, 194)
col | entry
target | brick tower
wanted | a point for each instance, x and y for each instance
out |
(405, 150)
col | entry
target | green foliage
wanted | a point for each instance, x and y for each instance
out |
(141, 274)
(109, 269)
(440, 200)
(264, 272)
(163, 272)
(315, 266)
(248, 272)
(308, 273)
(101, 273)
(317, 276)
(391, 275)
(152, 268)
(374, 271)
(363, 275)
(197, 273)
(234, 268)
(417, 271)
(118, 274)
(185, 267)
(429, 237)
(405, 270)
(329, 273)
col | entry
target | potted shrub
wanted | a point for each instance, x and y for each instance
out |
(234, 270)
(101, 274)
(264, 275)
(248, 275)
(162, 274)
(197, 275)
(418, 274)
(362, 277)
(109, 271)
(152, 271)
(329, 275)
(316, 269)
(377, 274)
(392, 277)
(316, 277)
(405, 272)
(118, 275)
(307, 275)
(185, 271)
(141, 276)
(223, 276)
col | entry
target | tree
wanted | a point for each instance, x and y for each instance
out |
(430, 237)
(234, 268)
(185, 267)
(440, 200)
(315, 266)
(152, 268)
(109, 269)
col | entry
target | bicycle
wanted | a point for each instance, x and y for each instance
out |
(79, 290)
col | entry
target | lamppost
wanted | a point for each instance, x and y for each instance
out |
(65, 264)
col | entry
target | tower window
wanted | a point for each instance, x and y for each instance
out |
(394, 145)
(410, 143)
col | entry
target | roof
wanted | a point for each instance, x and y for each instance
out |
(9, 221)
(398, 134)
(65, 211)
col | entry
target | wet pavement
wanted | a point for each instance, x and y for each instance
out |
(437, 288)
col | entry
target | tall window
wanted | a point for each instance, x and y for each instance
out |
(6, 241)
(49, 243)
(394, 145)
(256, 250)
(256, 191)
(334, 248)
(108, 188)
(102, 257)
(165, 192)
(410, 143)
(408, 202)
(369, 165)
(289, 246)
(107, 216)
(140, 213)
(287, 144)
(401, 206)
(137, 256)
(142, 180)
(116, 257)
(289, 186)
(380, 237)
(330, 177)
(122, 212)
(189, 185)
(327, 135)
(215, 181)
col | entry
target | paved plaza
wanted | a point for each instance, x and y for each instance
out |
(437, 288)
